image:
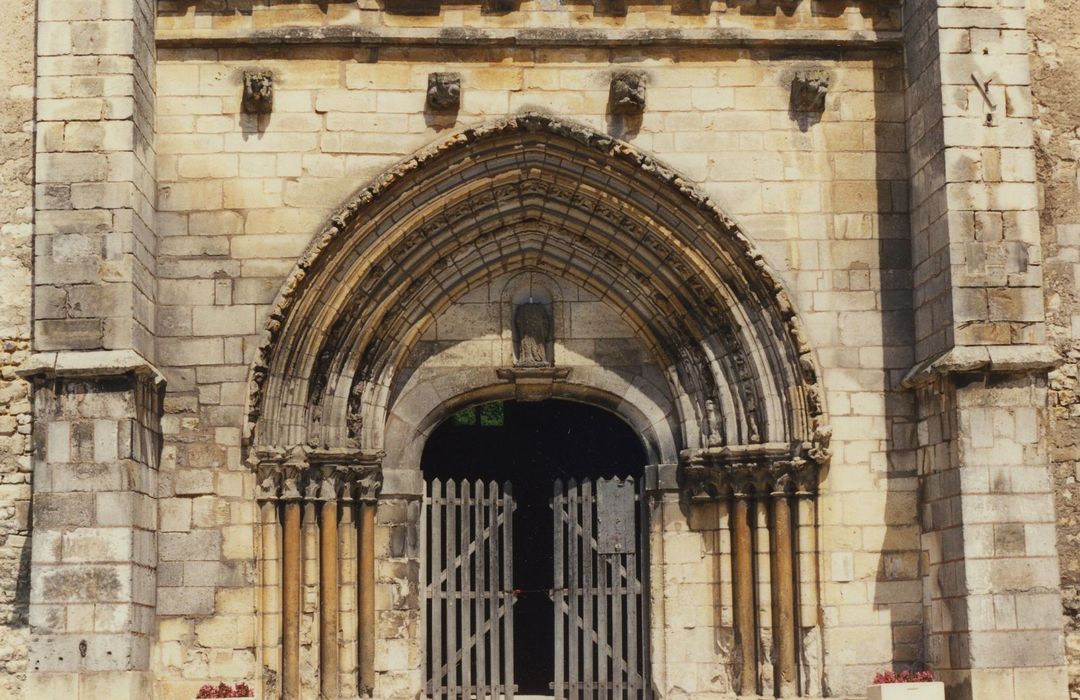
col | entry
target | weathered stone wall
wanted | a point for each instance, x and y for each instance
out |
(16, 216)
(1055, 32)
(241, 196)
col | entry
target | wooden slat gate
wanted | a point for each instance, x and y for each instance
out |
(601, 619)
(469, 592)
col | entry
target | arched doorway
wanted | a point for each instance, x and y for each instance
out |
(636, 294)
(535, 555)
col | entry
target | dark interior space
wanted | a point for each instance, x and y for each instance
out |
(531, 445)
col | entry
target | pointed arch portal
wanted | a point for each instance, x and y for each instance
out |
(739, 417)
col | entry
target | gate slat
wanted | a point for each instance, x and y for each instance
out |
(453, 649)
(618, 663)
(575, 588)
(558, 596)
(494, 602)
(642, 590)
(508, 586)
(588, 587)
(631, 614)
(466, 591)
(604, 650)
(480, 597)
(435, 595)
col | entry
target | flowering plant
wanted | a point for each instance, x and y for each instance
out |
(885, 677)
(223, 690)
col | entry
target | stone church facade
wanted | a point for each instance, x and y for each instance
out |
(819, 256)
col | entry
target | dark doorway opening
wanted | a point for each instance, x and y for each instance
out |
(531, 445)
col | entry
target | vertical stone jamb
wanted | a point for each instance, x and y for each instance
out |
(366, 629)
(329, 653)
(348, 668)
(980, 352)
(807, 577)
(270, 574)
(764, 578)
(290, 588)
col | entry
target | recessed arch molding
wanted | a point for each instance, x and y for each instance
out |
(534, 192)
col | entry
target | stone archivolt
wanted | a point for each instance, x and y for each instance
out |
(533, 193)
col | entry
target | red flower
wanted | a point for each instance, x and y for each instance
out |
(905, 676)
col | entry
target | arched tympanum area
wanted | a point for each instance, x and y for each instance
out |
(335, 404)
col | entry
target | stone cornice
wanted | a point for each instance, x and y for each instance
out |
(998, 359)
(88, 364)
(728, 37)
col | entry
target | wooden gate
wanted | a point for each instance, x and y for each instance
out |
(469, 592)
(601, 618)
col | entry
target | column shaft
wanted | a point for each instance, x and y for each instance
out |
(328, 594)
(366, 595)
(742, 550)
(290, 602)
(784, 614)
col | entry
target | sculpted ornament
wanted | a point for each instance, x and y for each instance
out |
(444, 92)
(534, 333)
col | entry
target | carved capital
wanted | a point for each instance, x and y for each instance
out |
(746, 471)
(291, 483)
(362, 482)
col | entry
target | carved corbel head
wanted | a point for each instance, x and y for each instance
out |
(444, 92)
(627, 93)
(258, 92)
(808, 90)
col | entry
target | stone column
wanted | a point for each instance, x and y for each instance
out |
(742, 557)
(93, 580)
(993, 614)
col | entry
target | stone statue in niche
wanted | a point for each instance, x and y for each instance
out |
(533, 333)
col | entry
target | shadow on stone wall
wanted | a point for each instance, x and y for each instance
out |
(898, 587)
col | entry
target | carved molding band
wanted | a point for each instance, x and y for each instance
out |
(319, 476)
(756, 470)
